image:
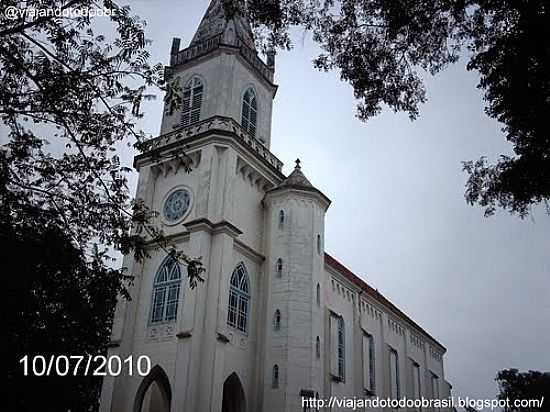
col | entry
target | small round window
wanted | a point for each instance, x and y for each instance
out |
(176, 205)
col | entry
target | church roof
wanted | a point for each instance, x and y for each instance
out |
(369, 290)
(296, 179)
(215, 23)
(228, 29)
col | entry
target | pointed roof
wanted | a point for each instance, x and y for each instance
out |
(215, 23)
(297, 180)
(234, 34)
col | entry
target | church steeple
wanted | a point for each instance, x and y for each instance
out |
(220, 74)
(215, 23)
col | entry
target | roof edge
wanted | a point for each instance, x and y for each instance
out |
(352, 277)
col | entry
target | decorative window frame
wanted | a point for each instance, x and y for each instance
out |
(252, 87)
(166, 284)
(167, 222)
(337, 347)
(393, 351)
(371, 359)
(188, 80)
(239, 295)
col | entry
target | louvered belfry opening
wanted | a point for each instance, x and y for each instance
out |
(192, 102)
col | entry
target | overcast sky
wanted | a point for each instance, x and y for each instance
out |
(398, 217)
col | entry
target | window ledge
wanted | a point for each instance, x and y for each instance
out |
(336, 378)
(184, 334)
(222, 338)
(369, 392)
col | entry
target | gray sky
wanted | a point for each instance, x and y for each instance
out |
(398, 217)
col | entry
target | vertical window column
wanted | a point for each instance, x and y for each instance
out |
(239, 297)
(368, 363)
(337, 348)
(249, 114)
(394, 374)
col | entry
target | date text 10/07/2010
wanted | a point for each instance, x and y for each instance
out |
(81, 365)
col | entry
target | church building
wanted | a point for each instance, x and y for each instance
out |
(277, 319)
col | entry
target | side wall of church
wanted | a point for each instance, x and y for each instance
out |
(362, 314)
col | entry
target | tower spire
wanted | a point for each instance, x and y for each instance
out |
(216, 23)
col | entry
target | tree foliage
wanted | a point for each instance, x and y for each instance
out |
(70, 97)
(382, 48)
(512, 55)
(515, 385)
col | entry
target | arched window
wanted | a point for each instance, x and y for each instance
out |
(275, 377)
(341, 349)
(318, 347)
(279, 267)
(319, 244)
(239, 298)
(318, 295)
(249, 112)
(192, 102)
(166, 291)
(277, 320)
(394, 374)
(281, 219)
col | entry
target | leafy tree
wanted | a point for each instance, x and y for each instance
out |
(69, 100)
(514, 385)
(513, 61)
(381, 46)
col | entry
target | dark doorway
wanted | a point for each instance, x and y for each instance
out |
(154, 394)
(233, 395)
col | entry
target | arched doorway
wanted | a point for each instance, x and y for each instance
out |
(154, 393)
(233, 395)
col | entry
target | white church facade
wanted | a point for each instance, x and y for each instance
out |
(277, 318)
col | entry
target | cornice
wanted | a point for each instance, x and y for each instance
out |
(218, 129)
(300, 191)
(217, 45)
(207, 225)
(247, 250)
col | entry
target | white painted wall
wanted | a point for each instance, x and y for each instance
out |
(199, 351)
(226, 76)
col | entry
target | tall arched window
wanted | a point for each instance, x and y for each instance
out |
(318, 294)
(192, 102)
(281, 219)
(279, 267)
(249, 112)
(275, 377)
(341, 350)
(318, 347)
(239, 298)
(166, 291)
(319, 244)
(277, 320)
(394, 374)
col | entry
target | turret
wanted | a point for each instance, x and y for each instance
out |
(295, 214)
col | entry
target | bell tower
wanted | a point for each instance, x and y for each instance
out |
(203, 344)
(220, 74)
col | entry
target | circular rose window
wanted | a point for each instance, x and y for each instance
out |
(176, 205)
